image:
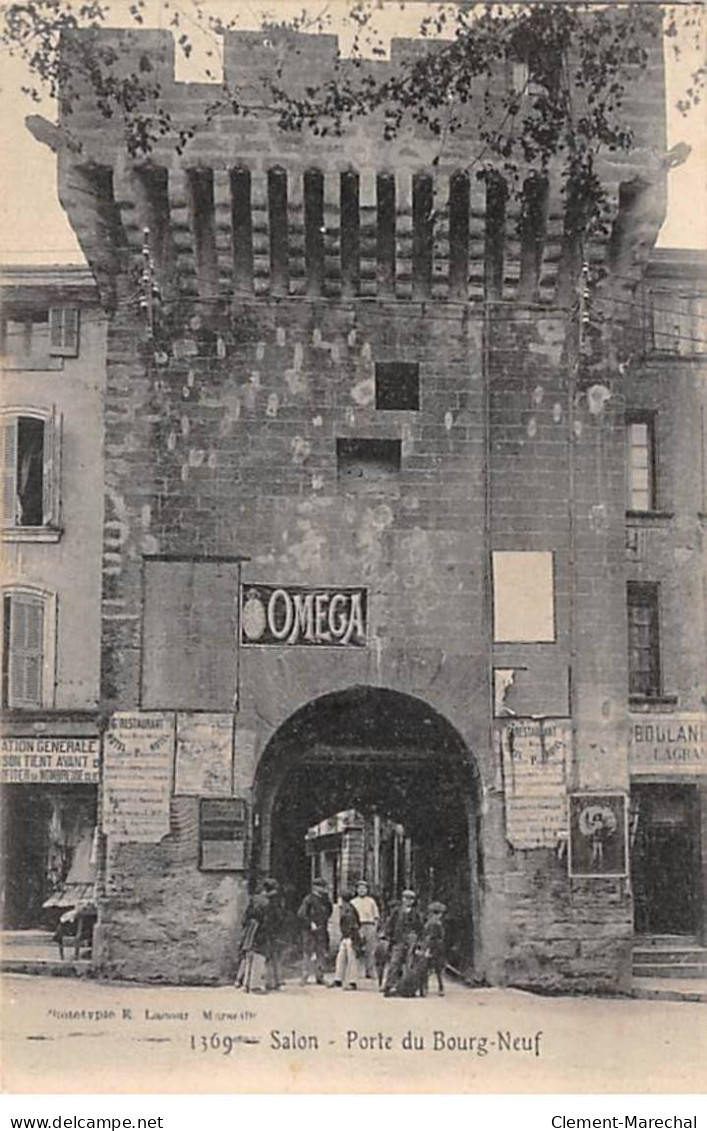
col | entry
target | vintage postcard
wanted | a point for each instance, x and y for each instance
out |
(353, 512)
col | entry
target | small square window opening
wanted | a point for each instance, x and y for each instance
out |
(398, 385)
(363, 462)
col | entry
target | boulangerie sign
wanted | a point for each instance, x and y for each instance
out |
(670, 744)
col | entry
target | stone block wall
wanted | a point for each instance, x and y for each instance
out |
(222, 436)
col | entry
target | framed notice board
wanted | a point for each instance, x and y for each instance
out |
(222, 834)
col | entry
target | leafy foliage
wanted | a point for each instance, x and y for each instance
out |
(527, 86)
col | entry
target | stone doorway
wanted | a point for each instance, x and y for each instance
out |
(395, 762)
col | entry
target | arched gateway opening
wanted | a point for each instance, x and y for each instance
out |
(374, 782)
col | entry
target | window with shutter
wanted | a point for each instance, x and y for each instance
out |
(25, 643)
(9, 470)
(64, 331)
(31, 470)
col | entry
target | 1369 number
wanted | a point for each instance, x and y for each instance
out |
(215, 1042)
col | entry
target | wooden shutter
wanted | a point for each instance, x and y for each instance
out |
(26, 659)
(8, 431)
(51, 481)
(64, 331)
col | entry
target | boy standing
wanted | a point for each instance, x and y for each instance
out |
(433, 945)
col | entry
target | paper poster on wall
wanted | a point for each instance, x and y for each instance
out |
(138, 751)
(222, 834)
(598, 834)
(204, 754)
(534, 754)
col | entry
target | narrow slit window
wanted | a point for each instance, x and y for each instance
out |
(314, 230)
(204, 222)
(533, 233)
(385, 239)
(242, 227)
(152, 192)
(422, 234)
(350, 233)
(644, 678)
(277, 206)
(640, 443)
(459, 202)
(496, 195)
(397, 385)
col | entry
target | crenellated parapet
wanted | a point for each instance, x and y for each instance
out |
(250, 209)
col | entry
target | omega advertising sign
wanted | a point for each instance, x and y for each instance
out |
(304, 616)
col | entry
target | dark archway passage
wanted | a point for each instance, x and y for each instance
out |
(385, 755)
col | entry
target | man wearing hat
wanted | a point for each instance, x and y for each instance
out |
(313, 914)
(402, 930)
(368, 917)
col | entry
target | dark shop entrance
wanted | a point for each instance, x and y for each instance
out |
(397, 778)
(665, 859)
(47, 847)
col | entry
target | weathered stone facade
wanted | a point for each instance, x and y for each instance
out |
(288, 277)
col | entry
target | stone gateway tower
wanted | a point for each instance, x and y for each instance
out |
(364, 534)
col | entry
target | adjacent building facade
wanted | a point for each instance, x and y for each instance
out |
(665, 578)
(53, 362)
(366, 541)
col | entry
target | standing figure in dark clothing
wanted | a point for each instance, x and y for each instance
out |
(314, 912)
(402, 930)
(274, 916)
(433, 946)
(351, 945)
(254, 945)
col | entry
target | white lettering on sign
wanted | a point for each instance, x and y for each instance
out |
(669, 744)
(51, 760)
(295, 616)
